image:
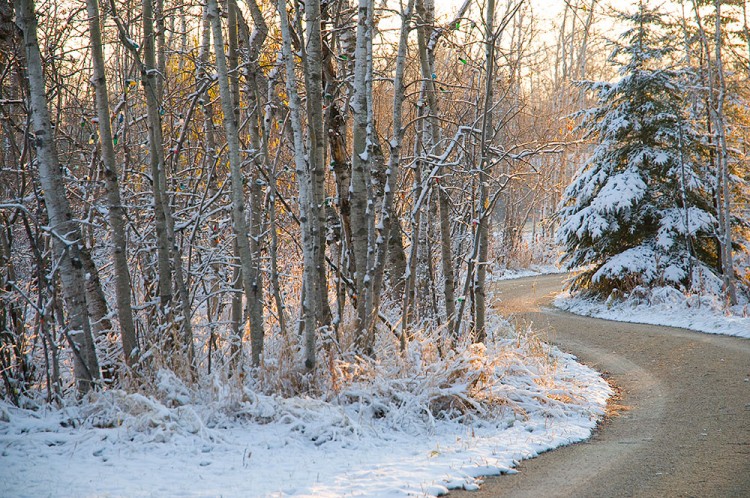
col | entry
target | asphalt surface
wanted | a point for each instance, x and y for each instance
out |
(679, 427)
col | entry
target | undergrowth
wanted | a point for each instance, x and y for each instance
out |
(505, 380)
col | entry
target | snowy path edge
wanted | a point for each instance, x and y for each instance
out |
(675, 314)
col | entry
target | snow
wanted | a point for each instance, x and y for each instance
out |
(376, 438)
(644, 187)
(516, 273)
(665, 306)
(674, 224)
(639, 260)
(620, 192)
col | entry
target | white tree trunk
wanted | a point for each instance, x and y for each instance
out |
(725, 212)
(716, 97)
(65, 232)
(480, 305)
(432, 139)
(312, 60)
(388, 220)
(315, 311)
(164, 221)
(259, 153)
(116, 213)
(156, 154)
(359, 193)
(238, 202)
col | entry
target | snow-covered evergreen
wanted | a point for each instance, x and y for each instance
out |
(638, 212)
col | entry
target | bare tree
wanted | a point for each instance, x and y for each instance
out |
(315, 312)
(360, 194)
(64, 230)
(260, 162)
(716, 98)
(727, 262)
(116, 210)
(427, 38)
(239, 221)
(388, 221)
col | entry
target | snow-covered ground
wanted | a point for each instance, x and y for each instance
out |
(666, 306)
(514, 273)
(383, 437)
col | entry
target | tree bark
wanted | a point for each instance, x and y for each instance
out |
(359, 194)
(210, 160)
(238, 203)
(727, 262)
(65, 232)
(388, 219)
(415, 215)
(312, 60)
(432, 139)
(116, 210)
(716, 98)
(314, 294)
(259, 153)
(272, 198)
(149, 78)
(152, 70)
(480, 305)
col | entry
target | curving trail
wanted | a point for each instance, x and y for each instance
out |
(681, 427)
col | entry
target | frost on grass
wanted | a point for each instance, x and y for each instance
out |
(415, 424)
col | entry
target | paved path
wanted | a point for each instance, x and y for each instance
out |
(683, 424)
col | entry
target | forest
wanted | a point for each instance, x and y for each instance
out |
(287, 195)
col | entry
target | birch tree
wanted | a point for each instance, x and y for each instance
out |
(239, 221)
(309, 173)
(149, 78)
(482, 210)
(116, 210)
(63, 228)
(360, 194)
(259, 160)
(716, 100)
(427, 38)
(313, 68)
(477, 258)
(722, 154)
(388, 218)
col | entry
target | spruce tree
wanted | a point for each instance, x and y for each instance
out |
(637, 212)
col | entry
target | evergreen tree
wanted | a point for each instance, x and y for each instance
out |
(637, 212)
